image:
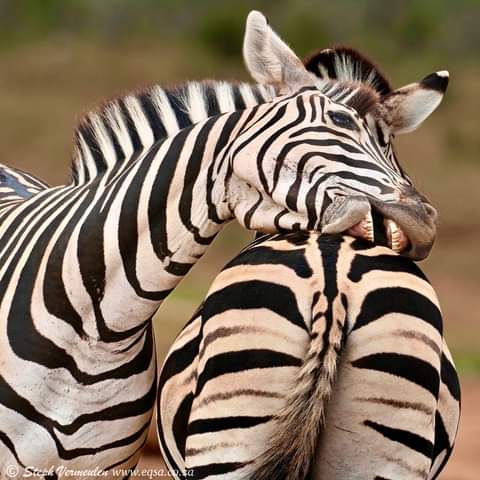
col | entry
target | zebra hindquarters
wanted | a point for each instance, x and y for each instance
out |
(176, 388)
(220, 388)
(249, 371)
(382, 415)
(227, 374)
(246, 364)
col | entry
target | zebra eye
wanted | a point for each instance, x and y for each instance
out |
(343, 120)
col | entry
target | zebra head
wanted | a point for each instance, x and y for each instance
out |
(334, 168)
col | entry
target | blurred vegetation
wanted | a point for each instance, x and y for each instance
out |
(467, 362)
(440, 28)
(61, 57)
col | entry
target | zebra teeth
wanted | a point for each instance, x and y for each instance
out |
(363, 229)
(396, 238)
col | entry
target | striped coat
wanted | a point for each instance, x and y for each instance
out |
(319, 354)
(155, 176)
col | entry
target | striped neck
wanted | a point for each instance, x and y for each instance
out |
(153, 220)
(125, 127)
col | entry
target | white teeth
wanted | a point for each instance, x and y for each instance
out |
(367, 225)
(363, 229)
(397, 240)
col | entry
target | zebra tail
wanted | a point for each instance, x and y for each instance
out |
(291, 449)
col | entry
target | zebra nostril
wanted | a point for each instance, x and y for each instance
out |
(431, 212)
(411, 196)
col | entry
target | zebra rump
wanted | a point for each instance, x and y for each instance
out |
(312, 356)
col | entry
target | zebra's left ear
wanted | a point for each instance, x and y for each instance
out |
(407, 107)
(269, 59)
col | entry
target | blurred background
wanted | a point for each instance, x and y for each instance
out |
(60, 58)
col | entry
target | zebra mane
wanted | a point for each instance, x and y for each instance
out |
(129, 124)
(345, 64)
(353, 94)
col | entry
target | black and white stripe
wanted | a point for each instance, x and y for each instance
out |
(319, 354)
(155, 176)
(131, 124)
(86, 265)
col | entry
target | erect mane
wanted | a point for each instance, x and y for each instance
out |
(131, 123)
(345, 64)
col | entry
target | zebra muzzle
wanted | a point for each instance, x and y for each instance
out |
(396, 226)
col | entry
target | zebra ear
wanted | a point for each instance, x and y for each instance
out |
(407, 107)
(269, 59)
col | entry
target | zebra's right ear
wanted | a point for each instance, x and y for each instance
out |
(269, 59)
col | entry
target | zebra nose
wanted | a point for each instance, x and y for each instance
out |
(412, 197)
(431, 213)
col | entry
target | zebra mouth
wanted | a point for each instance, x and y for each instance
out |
(378, 229)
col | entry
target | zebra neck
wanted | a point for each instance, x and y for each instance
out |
(161, 216)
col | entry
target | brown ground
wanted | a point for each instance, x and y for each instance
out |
(463, 465)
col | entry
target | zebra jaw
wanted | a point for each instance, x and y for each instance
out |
(396, 238)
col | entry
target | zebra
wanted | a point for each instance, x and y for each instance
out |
(155, 176)
(318, 355)
(180, 370)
